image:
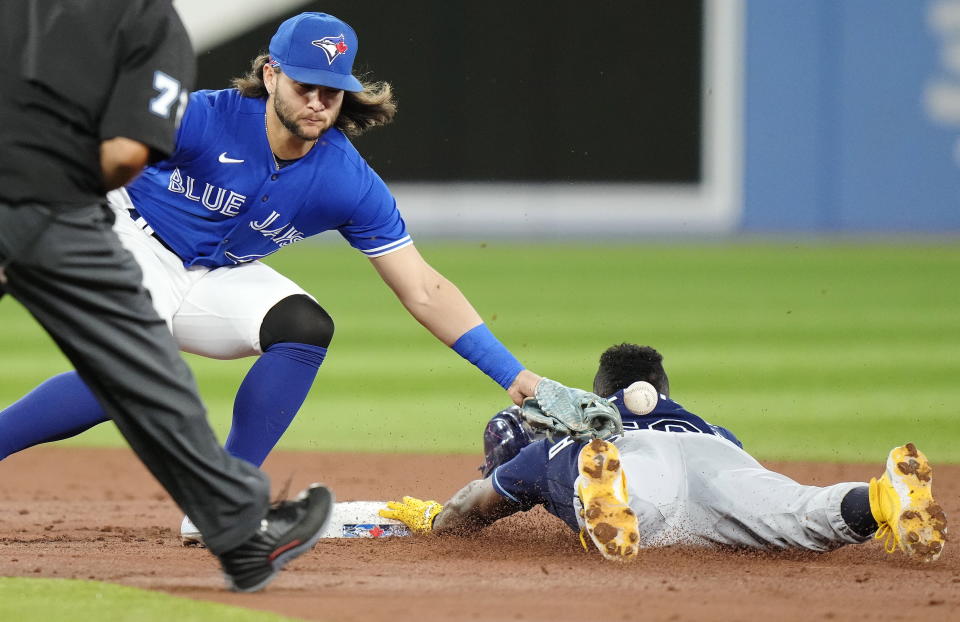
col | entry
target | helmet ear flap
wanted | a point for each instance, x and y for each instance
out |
(503, 438)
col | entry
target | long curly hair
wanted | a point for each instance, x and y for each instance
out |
(374, 106)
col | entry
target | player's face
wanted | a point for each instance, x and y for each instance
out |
(306, 110)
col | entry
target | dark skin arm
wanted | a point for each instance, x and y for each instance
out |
(474, 507)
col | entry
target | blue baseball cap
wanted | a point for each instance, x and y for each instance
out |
(316, 48)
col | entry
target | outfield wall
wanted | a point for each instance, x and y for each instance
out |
(852, 116)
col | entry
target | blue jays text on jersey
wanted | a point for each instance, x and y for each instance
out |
(220, 199)
(544, 471)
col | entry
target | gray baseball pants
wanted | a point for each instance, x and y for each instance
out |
(70, 271)
(702, 489)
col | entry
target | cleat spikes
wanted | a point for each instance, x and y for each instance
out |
(902, 503)
(608, 520)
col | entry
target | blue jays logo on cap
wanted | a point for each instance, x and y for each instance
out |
(332, 47)
(306, 46)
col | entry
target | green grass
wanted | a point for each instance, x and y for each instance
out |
(32, 600)
(821, 351)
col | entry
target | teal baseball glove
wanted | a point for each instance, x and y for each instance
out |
(564, 411)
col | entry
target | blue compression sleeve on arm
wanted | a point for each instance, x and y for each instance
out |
(480, 347)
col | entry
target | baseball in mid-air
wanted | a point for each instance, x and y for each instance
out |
(640, 397)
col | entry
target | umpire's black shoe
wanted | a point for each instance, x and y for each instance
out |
(290, 529)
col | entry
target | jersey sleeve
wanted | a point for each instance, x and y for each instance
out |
(523, 479)
(155, 74)
(727, 434)
(198, 128)
(376, 227)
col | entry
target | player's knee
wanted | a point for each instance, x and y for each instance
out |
(296, 319)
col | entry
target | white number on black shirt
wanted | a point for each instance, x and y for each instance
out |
(169, 89)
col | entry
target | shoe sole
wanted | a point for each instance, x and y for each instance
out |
(192, 539)
(922, 524)
(292, 553)
(610, 523)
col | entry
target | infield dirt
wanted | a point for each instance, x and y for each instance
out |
(97, 514)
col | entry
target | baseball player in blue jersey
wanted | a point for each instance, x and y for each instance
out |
(256, 168)
(672, 478)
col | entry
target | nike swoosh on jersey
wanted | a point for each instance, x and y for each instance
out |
(225, 160)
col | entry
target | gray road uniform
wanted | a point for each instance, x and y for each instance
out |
(688, 488)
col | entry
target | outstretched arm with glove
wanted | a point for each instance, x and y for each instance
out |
(474, 507)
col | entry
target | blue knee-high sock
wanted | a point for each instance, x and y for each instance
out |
(59, 408)
(270, 396)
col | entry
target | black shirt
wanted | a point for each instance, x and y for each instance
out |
(75, 74)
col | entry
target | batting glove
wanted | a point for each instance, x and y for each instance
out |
(416, 514)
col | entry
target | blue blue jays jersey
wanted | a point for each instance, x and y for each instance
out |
(668, 416)
(220, 199)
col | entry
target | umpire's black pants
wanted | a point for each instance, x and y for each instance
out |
(70, 271)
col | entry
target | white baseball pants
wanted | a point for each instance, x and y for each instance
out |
(216, 312)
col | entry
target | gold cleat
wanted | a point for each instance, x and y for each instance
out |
(602, 488)
(902, 503)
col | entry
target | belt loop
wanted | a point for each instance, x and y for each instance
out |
(141, 222)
